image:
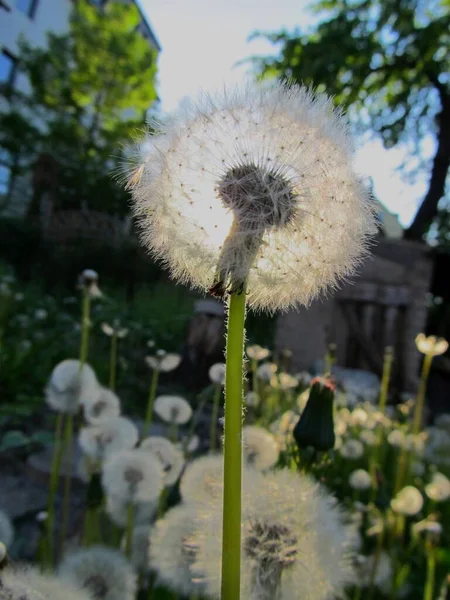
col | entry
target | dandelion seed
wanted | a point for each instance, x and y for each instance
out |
(104, 405)
(408, 501)
(102, 572)
(109, 436)
(133, 475)
(68, 384)
(6, 529)
(173, 409)
(296, 540)
(26, 583)
(202, 479)
(260, 448)
(173, 551)
(254, 186)
(170, 457)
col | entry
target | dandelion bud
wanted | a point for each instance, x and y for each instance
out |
(315, 427)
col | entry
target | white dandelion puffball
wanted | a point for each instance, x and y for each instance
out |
(104, 405)
(103, 572)
(202, 479)
(163, 362)
(251, 399)
(360, 480)
(134, 475)
(259, 447)
(170, 457)
(173, 551)
(427, 526)
(352, 449)
(296, 542)
(6, 529)
(256, 352)
(173, 409)
(217, 373)
(117, 509)
(439, 488)
(408, 501)
(109, 436)
(397, 438)
(257, 186)
(68, 384)
(27, 583)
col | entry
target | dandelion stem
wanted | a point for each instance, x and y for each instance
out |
(68, 443)
(113, 362)
(85, 324)
(231, 539)
(150, 402)
(129, 530)
(387, 367)
(420, 400)
(54, 476)
(214, 416)
(431, 572)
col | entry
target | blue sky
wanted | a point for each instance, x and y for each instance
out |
(202, 40)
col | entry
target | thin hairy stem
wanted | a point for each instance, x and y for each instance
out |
(54, 477)
(231, 540)
(150, 402)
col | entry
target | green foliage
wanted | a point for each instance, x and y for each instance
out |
(90, 90)
(387, 62)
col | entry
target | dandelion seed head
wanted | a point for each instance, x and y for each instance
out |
(439, 488)
(173, 409)
(134, 475)
(101, 571)
(352, 449)
(173, 550)
(104, 405)
(107, 437)
(27, 583)
(266, 371)
(163, 361)
(257, 352)
(296, 540)
(409, 501)
(202, 479)
(254, 185)
(68, 384)
(170, 457)
(117, 509)
(217, 373)
(259, 447)
(360, 480)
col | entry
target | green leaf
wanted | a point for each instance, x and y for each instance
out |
(13, 439)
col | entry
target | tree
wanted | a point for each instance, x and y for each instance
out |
(387, 62)
(89, 91)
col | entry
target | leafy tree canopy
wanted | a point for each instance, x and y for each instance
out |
(387, 62)
(89, 91)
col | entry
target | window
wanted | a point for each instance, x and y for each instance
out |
(8, 68)
(27, 6)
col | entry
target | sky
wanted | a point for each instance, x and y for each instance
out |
(202, 40)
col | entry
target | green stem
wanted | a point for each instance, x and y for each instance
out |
(378, 550)
(150, 402)
(387, 366)
(68, 443)
(420, 400)
(54, 477)
(193, 423)
(85, 325)
(129, 530)
(431, 573)
(231, 536)
(401, 470)
(113, 362)
(214, 417)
